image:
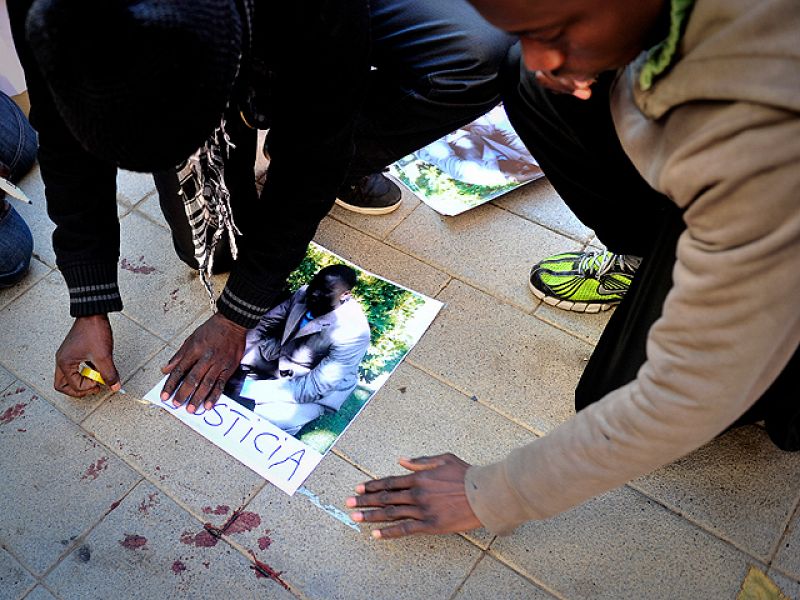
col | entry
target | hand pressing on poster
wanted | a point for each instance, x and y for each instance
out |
(430, 500)
(204, 363)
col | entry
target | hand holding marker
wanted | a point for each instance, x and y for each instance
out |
(87, 371)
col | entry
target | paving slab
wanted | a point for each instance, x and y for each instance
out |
(487, 247)
(137, 552)
(585, 326)
(624, 545)
(151, 208)
(38, 270)
(41, 320)
(416, 415)
(14, 578)
(58, 479)
(492, 580)
(6, 378)
(132, 187)
(379, 226)
(539, 202)
(380, 258)
(35, 216)
(740, 486)
(509, 360)
(40, 593)
(323, 558)
(789, 587)
(788, 557)
(170, 294)
(179, 461)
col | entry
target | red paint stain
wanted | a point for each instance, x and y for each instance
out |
(19, 390)
(133, 542)
(141, 269)
(94, 470)
(264, 541)
(246, 521)
(148, 503)
(200, 540)
(178, 567)
(22, 430)
(206, 564)
(114, 505)
(264, 570)
(12, 412)
(222, 509)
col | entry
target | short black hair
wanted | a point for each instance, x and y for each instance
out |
(343, 273)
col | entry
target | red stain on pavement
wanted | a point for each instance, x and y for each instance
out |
(200, 540)
(264, 570)
(12, 412)
(246, 521)
(264, 541)
(19, 390)
(148, 503)
(222, 509)
(178, 567)
(94, 470)
(133, 542)
(141, 269)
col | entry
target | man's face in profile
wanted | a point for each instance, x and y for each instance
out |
(324, 294)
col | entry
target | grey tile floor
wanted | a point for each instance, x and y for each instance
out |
(105, 497)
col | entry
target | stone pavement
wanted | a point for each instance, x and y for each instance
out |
(106, 498)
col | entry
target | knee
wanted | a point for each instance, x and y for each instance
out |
(16, 246)
(472, 76)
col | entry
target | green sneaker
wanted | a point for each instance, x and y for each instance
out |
(583, 281)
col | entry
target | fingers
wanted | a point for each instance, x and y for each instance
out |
(402, 529)
(424, 463)
(108, 371)
(382, 499)
(389, 513)
(68, 381)
(400, 482)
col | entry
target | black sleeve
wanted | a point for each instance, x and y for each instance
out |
(318, 53)
(80, 190)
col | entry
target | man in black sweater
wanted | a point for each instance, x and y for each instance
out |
(141, 84)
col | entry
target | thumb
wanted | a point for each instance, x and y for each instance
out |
(422, 463)
(107, 370)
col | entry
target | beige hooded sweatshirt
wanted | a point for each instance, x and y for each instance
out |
(719, 134)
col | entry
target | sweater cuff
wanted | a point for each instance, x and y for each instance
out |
(244, 303)
(493, 500)
(93, 289)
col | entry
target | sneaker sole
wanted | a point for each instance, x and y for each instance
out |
(580, 307)
(383, 210)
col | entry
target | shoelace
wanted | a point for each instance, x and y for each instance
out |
(596, 265)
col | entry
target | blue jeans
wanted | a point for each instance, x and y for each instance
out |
(18, 145)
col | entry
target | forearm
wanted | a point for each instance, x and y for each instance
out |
(81, 196)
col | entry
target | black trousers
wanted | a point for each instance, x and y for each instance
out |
(576, 145)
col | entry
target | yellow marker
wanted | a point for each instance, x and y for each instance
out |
(90, 373)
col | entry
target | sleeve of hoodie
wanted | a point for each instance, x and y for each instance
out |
(81, 194)
(318, 53)
(729, 325)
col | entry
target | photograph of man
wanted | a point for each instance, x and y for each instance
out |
(301, 360)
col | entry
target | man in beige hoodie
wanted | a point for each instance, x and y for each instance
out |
(697, 139)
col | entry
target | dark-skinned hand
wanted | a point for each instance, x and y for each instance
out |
(431, 500)
(204, 363)
(90, 339)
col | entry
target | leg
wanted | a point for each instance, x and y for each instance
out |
(437, 69)
(17, 154)
(576, 145)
